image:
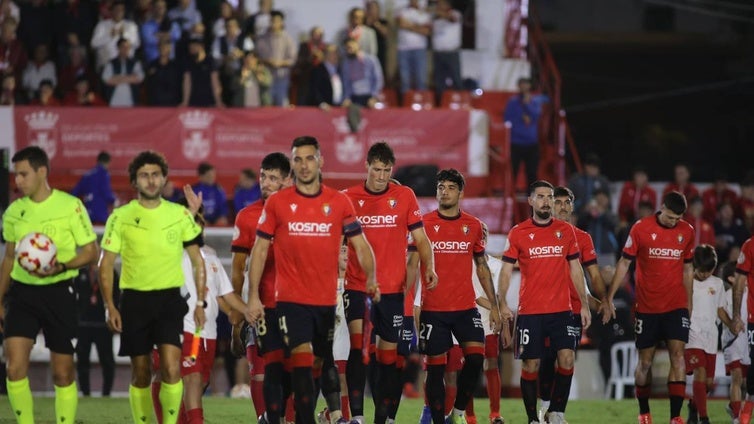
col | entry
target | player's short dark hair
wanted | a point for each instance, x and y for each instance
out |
(676, 202)
(203, 168)
(705, 258)
(727, 270)
(539, 183)
(103, 157)
(561, 191)
(382, 152)
(36, 157)
(279, 161)
(305, 140)
(453, 176)
(147, 157)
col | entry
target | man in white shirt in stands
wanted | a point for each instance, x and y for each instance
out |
(446, 45)
(414, 26)
(109, 31)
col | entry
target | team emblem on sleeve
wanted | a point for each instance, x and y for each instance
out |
(262, 217)
(741, 258)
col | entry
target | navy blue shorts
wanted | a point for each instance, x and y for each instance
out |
(354, 305)
(387, 317)
(653, 328)
(407, 343)
(436, 329)
(532, 331)
(269, 336)
(301, 324)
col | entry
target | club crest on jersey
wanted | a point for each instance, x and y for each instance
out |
(392, 203)
(558, 235)
(437, 228)
(465, 229)
(711, 291)
(531, 236)
(326, 209)
(361, 203)
(654, 236)
(680, 238)
(293, 207)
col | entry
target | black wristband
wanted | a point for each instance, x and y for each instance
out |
(65, 268)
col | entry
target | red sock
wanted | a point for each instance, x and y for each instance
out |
(493, 391)
(735, 407)
(290, 412)
(344, 406)
(195, 416)
(156, 400)
(257, 395)
(450, 398)
(470, 408)
(700, 397)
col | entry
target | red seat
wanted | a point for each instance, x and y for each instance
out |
(386, 98)
(419, 99)
(456, 99)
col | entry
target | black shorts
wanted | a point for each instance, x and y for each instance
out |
(407, 343)
(387, 317)
(51, 308)
(301, 324)
(354, 305)
(269, 337)
(653, 328)
(151, 318)
(436, 328)
(532, 331)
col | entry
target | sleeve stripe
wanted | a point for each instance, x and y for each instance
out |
(627, 256)
(572, 257)
(688, 261)
(198, 240)
(509, 260)
(264, 235)
(353, 232)
(478, 254)
(412, 248)
(416, 225)
(589, 263)
(742, 272)
(239, 249)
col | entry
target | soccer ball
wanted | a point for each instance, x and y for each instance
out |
(36, 252)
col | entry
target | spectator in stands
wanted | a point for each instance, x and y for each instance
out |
(74, 21)
(523, 112)
(247, 190)
(228, 52)
(254, 81)
(682, 183)
(82, 95)
(95, 190)
(140, 10)
(76, 67)
(45, 95)
(704, 230)
(214, 200)
(123, 77)
(108, 32)
(164, 78)
(730, 233)
(326, 84)
(201, 82)
(634, 192)
(357, 30)
(362, 76)
(601, 223)
(185, 15)
(13, 56)
(40, 68)
(226, 12)
(310, 54)
(715, 196)
(414, 26)
(645, 209)
(446, 48)
(277, 50)
(259, 23)
(35, 26)
(8, 94)
(374, 20)
(8, 9)
(746, 202)
(156, 29)
(585, 183)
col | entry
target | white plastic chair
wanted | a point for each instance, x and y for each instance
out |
(623, 360)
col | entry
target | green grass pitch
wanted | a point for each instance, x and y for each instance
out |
(218, 410)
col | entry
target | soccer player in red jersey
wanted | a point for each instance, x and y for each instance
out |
(266, 357)
(663, 248)
(563, 210)
(307, 223)
(387, 212)
(745, 279)
(449, 308)
(548, 256)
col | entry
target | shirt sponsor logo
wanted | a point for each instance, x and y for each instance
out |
(377, 220)
(664, 253)
(451, 246)
(309, 228)
(545, 251)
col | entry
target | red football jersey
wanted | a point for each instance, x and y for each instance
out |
(542, 252)
(588, 257)
(745, 266)
(244, 235)
(385, 218)
(307, 232)
(660, 253)
(455, 241)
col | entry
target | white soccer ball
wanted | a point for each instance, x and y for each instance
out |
(36, 252)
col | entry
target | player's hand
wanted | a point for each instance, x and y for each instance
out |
(496, 322)
(586, 317)
(235, 317)
(193, 200)
(506, 333)
(737, 326)
(373, 290)
(607, 310)
(505, 312)
(254, 310)
(431, 278)
(112, 317)
(199, 317)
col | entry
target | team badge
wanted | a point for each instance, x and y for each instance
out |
(263, 216)
(465, 229)
(531, 236)
(326, 209)
(654, 236)
(437, 228)
(741, 258)
(711, 291)
(214, 268)
(629, 242)
(680, 238)
(558, 235)
(392, 203)
(361, 203)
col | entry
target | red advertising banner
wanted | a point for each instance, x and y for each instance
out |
(233, 139)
